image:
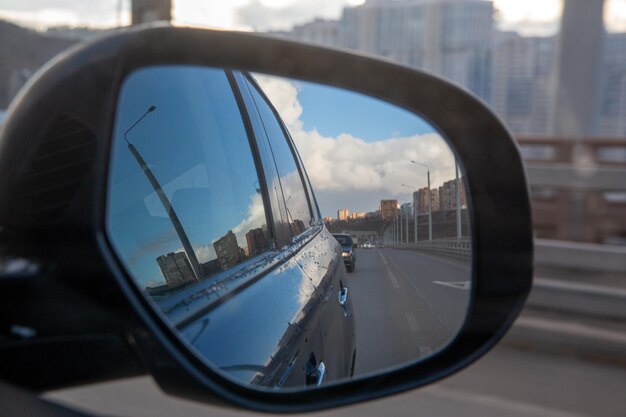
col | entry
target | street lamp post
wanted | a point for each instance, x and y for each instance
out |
(415, 223)
(414, 215)
(399, 220)
(458, 201)
(406, 229)
(182, 235)
(430, 201)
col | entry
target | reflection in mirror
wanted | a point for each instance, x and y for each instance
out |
(276, 275)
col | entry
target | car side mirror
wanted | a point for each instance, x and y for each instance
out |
(167, 232)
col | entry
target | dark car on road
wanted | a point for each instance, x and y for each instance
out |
(347, 250)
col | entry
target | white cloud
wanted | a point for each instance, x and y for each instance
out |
(615, 15)
(532, 17)
(204, 253)
(263, 15)
(283, 95)
(528, 10)
(42, 14)
(529, 17)
(204, 13)
(254, 220)
(352, 164)
(348, 169)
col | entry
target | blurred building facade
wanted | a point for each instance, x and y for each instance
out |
(146, 11)
(519, 77)
(449, 37)
(388, 209)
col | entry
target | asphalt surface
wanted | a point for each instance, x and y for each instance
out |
(506, 382)
(407, 305)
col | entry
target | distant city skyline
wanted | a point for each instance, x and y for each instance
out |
(517, 76)
(529, 17)
(231, 14)
(442, 197)
(514, 74)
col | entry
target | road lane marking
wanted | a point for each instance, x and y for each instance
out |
(392, 277)
(461, 285)
(394, 281)
(410, 318)
(424, 299)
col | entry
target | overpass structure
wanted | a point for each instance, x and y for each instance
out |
(362, 236)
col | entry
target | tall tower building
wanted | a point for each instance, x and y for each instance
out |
(575, 86)
(612, 117)
(452, 38)
(257, 241)
(227, 250)
(389, 209)
(416, 203)
(176, 269)
(522, 72)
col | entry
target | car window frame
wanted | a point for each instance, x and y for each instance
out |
(288, 140)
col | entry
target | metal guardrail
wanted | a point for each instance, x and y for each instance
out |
(456, 247)
(552, 253)
(585, 256)
(460, 248)
(607, 302)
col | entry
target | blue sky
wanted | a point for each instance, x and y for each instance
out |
(333, 111)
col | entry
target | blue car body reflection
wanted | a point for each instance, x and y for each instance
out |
(211, 212)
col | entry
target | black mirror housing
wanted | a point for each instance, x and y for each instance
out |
(54, 153)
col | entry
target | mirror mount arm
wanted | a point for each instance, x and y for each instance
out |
(180, 231)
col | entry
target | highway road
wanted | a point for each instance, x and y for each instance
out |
(406, 304)
(507, 382)
(387, 287)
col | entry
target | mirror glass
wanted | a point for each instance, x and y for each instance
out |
(291, 234)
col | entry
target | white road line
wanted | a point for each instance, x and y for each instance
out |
(410, 318)
(507, 406)
(424, 299)
(393, 279)
(461, 285)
